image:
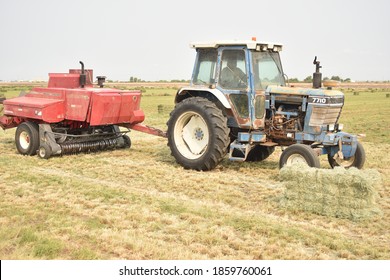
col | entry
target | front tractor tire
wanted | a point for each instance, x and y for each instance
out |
(299, 153)
(198, 135)
(27, 138)
(357, 160)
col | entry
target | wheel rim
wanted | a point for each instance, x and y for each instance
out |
(191, 135)
(296, 158)
(24, 140)
(345, 162)
(42, 152)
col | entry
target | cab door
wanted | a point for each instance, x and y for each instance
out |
(234, 81)
(265, 70)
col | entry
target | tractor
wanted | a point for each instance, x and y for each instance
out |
(238, 102)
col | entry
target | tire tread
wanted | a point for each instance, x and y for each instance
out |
(219, 126)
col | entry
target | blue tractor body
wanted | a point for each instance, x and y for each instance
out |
(245, 81)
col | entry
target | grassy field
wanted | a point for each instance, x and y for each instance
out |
(139, 204)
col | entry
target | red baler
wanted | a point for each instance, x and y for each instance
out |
(72, 116)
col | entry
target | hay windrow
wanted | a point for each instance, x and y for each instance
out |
(342, 193)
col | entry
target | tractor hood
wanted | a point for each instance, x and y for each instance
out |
(304, 91)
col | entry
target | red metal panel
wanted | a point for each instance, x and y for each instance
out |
(137, 116)
(64, 80)
(51, 93)
(77, 104)
(105, 107)
(48, 110)
(55, 112)
(69, 80)
(88, 73)
(130, 108)
(9, 122)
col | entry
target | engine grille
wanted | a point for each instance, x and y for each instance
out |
(324, 115)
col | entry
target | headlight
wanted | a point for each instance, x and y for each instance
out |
(330, 127)
(340, 127)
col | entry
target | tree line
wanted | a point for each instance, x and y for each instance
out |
(138, 80)
(309, 79)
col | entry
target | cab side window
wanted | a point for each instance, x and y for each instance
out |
(206, 67)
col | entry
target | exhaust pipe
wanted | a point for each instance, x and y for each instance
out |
(317, 75)
(83, 76)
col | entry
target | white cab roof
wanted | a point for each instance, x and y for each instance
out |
(253, 45)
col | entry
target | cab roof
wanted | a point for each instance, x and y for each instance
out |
(252, 45)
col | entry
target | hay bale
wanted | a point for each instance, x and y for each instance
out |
(345, 193)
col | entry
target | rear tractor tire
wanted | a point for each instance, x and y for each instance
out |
(299, 153)
(27, 138)
(198, 135)
(356, 160)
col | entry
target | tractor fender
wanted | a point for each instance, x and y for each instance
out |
(187, 92)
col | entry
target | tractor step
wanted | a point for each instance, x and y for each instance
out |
(239, 151)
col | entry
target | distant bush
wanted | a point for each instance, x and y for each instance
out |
(293, 80)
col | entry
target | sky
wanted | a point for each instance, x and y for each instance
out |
(150, 39)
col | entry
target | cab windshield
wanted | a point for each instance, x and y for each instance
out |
(267, 70)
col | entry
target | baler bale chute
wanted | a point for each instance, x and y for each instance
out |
(72, 116)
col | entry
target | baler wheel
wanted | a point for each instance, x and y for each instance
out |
(44, 151)
(27, 138)
(355, 161)
(127, 141)
(299, 153)
(198, 135)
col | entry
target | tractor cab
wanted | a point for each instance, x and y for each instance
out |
(241, 72)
